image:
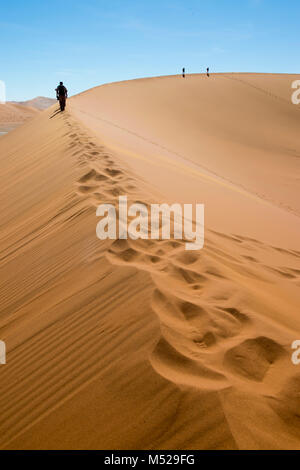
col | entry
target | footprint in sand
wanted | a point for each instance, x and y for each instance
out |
(193, 328)
(122, 253)
(100, 177)
(253, 358)
(86, 189)
(178, 368)
(88, 176)
(111, 172)
(237, 314)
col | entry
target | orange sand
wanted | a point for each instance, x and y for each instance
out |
(141, 344)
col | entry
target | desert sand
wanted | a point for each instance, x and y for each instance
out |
(12, 115)
(141, 344)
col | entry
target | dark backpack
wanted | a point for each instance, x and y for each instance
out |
(61, 90)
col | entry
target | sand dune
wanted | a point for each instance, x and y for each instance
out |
(141, 344)
(40, 103)
(12, 115)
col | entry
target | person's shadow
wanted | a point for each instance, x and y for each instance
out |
(55, 113)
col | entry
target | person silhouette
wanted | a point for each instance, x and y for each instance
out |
(61, 95)
(207, 71)
(183, 72)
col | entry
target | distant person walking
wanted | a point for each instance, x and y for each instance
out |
(183, 72)
(207, 71)
(61, 95)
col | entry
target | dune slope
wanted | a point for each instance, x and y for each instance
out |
(13, 115)
(140, 344)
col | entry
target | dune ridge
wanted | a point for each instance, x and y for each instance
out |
(140, 344)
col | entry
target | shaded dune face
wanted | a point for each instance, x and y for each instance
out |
(139, 343)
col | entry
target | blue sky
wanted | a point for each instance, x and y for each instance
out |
(91, 42)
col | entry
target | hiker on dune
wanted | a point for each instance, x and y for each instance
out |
(61, 95)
